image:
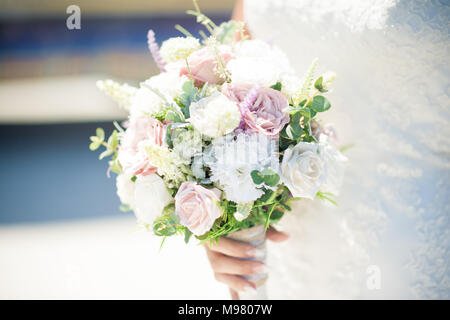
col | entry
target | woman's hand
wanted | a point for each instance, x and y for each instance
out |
(224, 258)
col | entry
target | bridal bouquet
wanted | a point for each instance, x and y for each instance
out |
(223, 138)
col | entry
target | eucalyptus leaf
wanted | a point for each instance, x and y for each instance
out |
(257, 177)
(105, 153)
(94, 145)
(100, 134)
(320, 104)
(187, 235)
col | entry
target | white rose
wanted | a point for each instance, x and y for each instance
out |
(145, 102)
(302, 169)
(169, 84)
(335, 164)
(214, 116)
(151, 196)
(125, 189)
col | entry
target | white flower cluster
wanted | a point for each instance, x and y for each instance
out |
(234, 158)
(178, 48)
(214, 116)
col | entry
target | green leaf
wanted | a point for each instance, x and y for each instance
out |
(302, 103)
(320, 104)
(187, 235)
(190, 94)
(113, 141)
(293, 131)
(318, 84)
(164, 228)
(257, 177)
(175, 116)
(168, 137)
(276, 215)
(226, 30)
(271, 180)
(94, 145)
(124, 207)
(326, 196)
(305, 112)
(115, 166)
(105, 153)
(133, 178)
(100, 134)
(276, 86)
(270, 177)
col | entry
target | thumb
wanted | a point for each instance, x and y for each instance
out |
(277, 236)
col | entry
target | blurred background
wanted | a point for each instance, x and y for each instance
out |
(62, 234)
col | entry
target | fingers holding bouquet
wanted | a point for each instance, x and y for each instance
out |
(227, 259)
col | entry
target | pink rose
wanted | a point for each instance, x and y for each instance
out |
(265, 115)
(133, 160)
(203, 66)
(196, 207)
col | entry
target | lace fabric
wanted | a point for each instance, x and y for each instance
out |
(391, 100)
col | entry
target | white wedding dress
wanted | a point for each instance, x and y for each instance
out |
(390, 235)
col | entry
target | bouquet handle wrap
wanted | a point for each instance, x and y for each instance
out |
(256, 236)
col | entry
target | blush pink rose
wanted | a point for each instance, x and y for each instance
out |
(196, 207)
(265, 115)
(203, 66)
(133, 160)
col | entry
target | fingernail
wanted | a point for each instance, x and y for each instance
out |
(260, 269)
(260, 253)
(251, 252)
(249, 289)
(256, 253)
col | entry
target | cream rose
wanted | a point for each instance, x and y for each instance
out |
(150, 198)
(214, 116)
(303, 170)
(196, 207)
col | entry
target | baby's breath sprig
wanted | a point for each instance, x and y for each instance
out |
(213, 44)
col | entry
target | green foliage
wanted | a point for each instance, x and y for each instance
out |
(276, 86)
(319, 85)
(225, 32)
(319, 104)
(326, 196)
(190, 94)
(187, 235)
(111, 148)
(293, 130)
(124, 207)
(309, 80)
(97, 140)
(267, 176)
(166, 225)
